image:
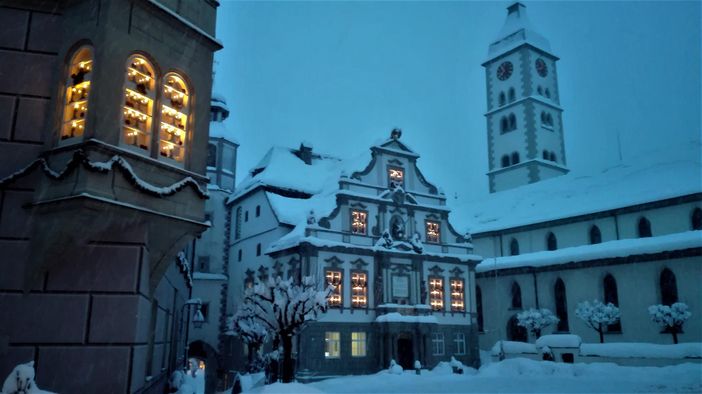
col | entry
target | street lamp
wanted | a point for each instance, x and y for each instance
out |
(198, 319)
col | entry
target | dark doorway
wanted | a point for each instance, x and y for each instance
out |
(405, 353)
(516, 332)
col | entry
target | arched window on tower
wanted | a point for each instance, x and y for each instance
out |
(504, 125)
(669, 288)
(479, 307)
(696, 219)
(502, 99)
(551, 242)
(549, 119)
(514, 247)
(546, 155)
(77, 89)
(515, 158)
(552, 157)
(175, 112)
(540, 90)
(547, 93)
(512, 122)
(611, 295)
(561, 305)
(516, 296)
(511, 95)
(595, 235)
(644, 228)
(237, 225)
(505, 161)
(139, 96)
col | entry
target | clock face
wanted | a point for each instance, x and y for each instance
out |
(504, 71)
(541, 67)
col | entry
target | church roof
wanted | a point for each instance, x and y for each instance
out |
(517, 31)
(675, 172)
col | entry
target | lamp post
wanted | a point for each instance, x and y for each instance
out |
(198, 319)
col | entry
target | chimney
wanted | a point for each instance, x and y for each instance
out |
(516, 8)
(305, 152)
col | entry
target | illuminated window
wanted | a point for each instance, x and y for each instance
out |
(433, 231)
(139, 98)
(359, 289)
(358, 221)
(460, 341)
(437, 344)
(436, 293)
(334, 279)
(332, 344)
(358, 344)
(77, 90)
(457, 296)
(396, 176)
(174, 117)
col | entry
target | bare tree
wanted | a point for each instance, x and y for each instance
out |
(284, 309)
(252, 333)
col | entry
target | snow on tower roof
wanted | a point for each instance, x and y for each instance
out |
(517, 31)
(578, 193)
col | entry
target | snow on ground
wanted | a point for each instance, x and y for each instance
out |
(517, 375)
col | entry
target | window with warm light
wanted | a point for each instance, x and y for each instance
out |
(359, 220)
(139, 96)
(436, 293)
(396, 176)
(174, 117)
(77, 89)
(358, 344)
(359, 289)
(433, 231)
(457, 295)
(334, 279)
(332, 344)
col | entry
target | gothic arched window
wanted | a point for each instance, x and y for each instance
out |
(595, 235)
(139, 97)
(504, 125)
(696, 219)
(611, 295)
(543, 118)
(511, 95)
(551, 242)
(505, 161)
(644, 228)
(540, 90)
(669, 287)
(553, 157)
(479, 307)
(513, 247)
(546, 155)
(237, 225)
(175, 112)
(516, 296)
(561, 305)
(77, 89)
(515, 158)
(515, 332)
(512, 122)
(547, 93)
(502, 98)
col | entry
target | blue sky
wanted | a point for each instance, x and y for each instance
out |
(343, 74)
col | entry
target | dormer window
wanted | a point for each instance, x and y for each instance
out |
(139, 95)
(396, 176)
(359, 220)
(334, 279)
(433, 231)
(77, 89)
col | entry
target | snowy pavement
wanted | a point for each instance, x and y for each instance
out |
(514, 376)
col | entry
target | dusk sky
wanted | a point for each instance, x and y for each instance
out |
(341, 75)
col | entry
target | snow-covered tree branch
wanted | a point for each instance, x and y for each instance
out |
(598, 315)
(535, 320)
(670, 317)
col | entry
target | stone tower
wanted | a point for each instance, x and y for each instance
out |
(524, 122)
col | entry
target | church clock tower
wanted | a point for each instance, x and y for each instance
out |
(524, 122)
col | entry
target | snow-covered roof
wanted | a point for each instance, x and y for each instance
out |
(517, 31)
(395, 317)
(642, 350)
(611, 249)
(559, 340)
(578, 193)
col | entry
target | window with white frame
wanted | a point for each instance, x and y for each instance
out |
(437, 344)
(460, 341)
(358, 344)
(334, 278)
(332, 344)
